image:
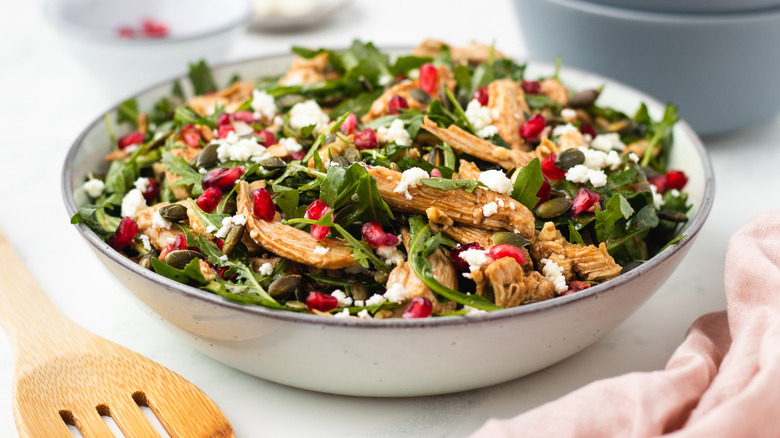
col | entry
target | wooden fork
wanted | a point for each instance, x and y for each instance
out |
(65, 374)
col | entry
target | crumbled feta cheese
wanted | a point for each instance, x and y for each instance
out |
(390, 254)
(594, 159)
(385, 79)
(211, 229)
(243, 128)
(674, 192)
(512, 205)
(658, 199)
(500, 202)
(489, 209)
(266, 269)
(291, 145)
(375, 300)
(396, 293)
(343, 314)
(263, 104)
(473, 311)
(171, 240)
(476, 258)
(360, 303)
(598, 178)
(410, 178)
(94, 187)
(308, 113)
(553, 272)
(487, 131)
(142, 184)
(607, 142)
(564, 129)
(321, 250)
(235, 148)
(395, 133)
(343, 299)
(145, 240)
(414, 73)
(364, 314)
(133, 202)
(613, 160)
(202, 171)
(496, 181)
(480, 119)
(569, 115)
(633, 157)
(227, 223)
(467, 275)
(354, 197)
(224, 257)
(582, 174)
(160, 222)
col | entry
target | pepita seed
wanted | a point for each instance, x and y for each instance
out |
(288, 100)
(672, 215)
(553, 207)
(233, 238)
(352, 155)
(181, 257)
(420, 95)
(621, 126)
(359, 291)
(284, 286)
(436, 157)
(510, 238)
(272, 163)
(208, 157)
(146, 260)
(584, 98)
(569, 158)
(341, 161)
(173, 212)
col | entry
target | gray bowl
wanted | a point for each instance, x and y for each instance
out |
(394, 357)
(720, 69)
(692, 6)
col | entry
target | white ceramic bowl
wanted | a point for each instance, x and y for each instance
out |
(720, 69)
(395, 357)
(198, 29)
(692, 6)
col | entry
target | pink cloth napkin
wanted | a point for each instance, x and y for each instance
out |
(723, 381)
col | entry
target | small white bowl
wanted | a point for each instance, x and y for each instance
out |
(197, 29)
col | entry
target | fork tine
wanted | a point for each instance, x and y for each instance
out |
(130, 419)
(41, 422)
(91, 424)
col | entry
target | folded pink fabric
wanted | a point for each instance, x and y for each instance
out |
(723, 381)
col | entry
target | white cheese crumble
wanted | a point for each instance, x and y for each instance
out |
(343, 299)
(145, 240)
(321, 250)
(385, 79)
(473, 311)
(476, 258)
(582, 174)
(375, 300)
(395, 133)
(133, 202)
(564, 129)
(343, 314)
(396, 293)
(496, 181)
(160, 222)
(480, 119)
(410, 178)
(607, 142)
(569, 115)
(243, 128)
(235, 148)
(553, 272)
(142, 184)
(211, 229)
(489, 209)
(308, 113)
(291, 145)
(390, 254)
(171, 240)
(658, 199)
(263, 104)
(202, 171)
(94, 187)
(633, 157)
(266, 269)
(227, 223)
(364, 314)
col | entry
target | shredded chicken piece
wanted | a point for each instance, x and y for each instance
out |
(333, 149)
(467, 170)
(462, 141)
(556, 91)
(290, 242)
(438, 217)
(187, 154)
(472, 52)
(308, 71)
(458, 204)
(571, 140)
(158, 237)
(512, 287)
(230, 98)
(506, 100)
(442, 271)
(586, 262)
(380, 106)
(206, 270)
(465, 234)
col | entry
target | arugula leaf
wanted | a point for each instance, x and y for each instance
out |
(88, 215)
(404, 64)
(660, 133)
(207, 219)
(339, 187)
(574, 235)
(191, 272)
(201, 78)
(450, 184)
(183, 115)
(121, 175)
(189, 176)
(127, 111)
(358, 105)
(422, 244)
(460, 116)
(527, 183)
(617, 208)
(287, 199)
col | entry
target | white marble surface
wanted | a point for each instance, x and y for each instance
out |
(48, 97)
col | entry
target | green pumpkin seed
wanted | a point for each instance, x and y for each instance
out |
(272, 163)
(146, 260)
(232, 239)
(352, 155)
(584, 98)
(359, 291)
(181, 257)
(569, 158)
(553, 207)
(208, 157)
(436, 157)
(173, 212)
(510, 238)
(340, 161)
(621, 126)
(296, 305)
(420, 95)
(673, 215)
(284, 286)
(288, 100)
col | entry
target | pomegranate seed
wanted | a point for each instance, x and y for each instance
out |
(224, 130)
(544, 192)
(243, 116)
(587, 128)
(531, 87)
(391, 240)
(316, 210)
(222, 178)
(373, 233)
(397, 104)
(576, 286)
(585, 200)
(320, 301)
(319, 232)
(533, 127)
(429, 76)
(266, 137)
(349, 125)
(507, 250)
(550, 170)
(457, 260)
(154, 28)
(418, 307)
(179, 243)
(152, 189)
(221, 271)
(676, 179)
(482, 96)
(130, 139)
(298, 155)
(125, 32)
(124, 234)
(264, 207)
(191, 135)
(209, 199)
(366, 139)
(436, 173)
(223, 119)
(220, 243)
(660, 182)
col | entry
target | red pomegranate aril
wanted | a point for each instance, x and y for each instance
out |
(397, 104)
(391, 240)
(660, 182)
(316, 210)
(349, 125)
(266, 137)
(507, 250)
(418, 307)
(676, 179)
(550, 170)
(576, 286)
(224, 130)
(587, 128)
(366, 139)
(124, 234)
(191, 135)
(457, 260)
(320, 301)
(209, 199)
(481, 95)
(179, 243)
(544, 192)
(298, 155)
(221, 271)
(151, 191)
(154, 28)
(130, 139)
(429, 76)
(243, 116)
(263, 205)
(223, 178)
(584, 201)
(223, 119)
(220, 243)
(373, 233)
(319, 232)
(436, 173)
(533, 127)
(531, 87)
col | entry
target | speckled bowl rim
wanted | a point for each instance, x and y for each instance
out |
(189, 292)
(670, 17)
